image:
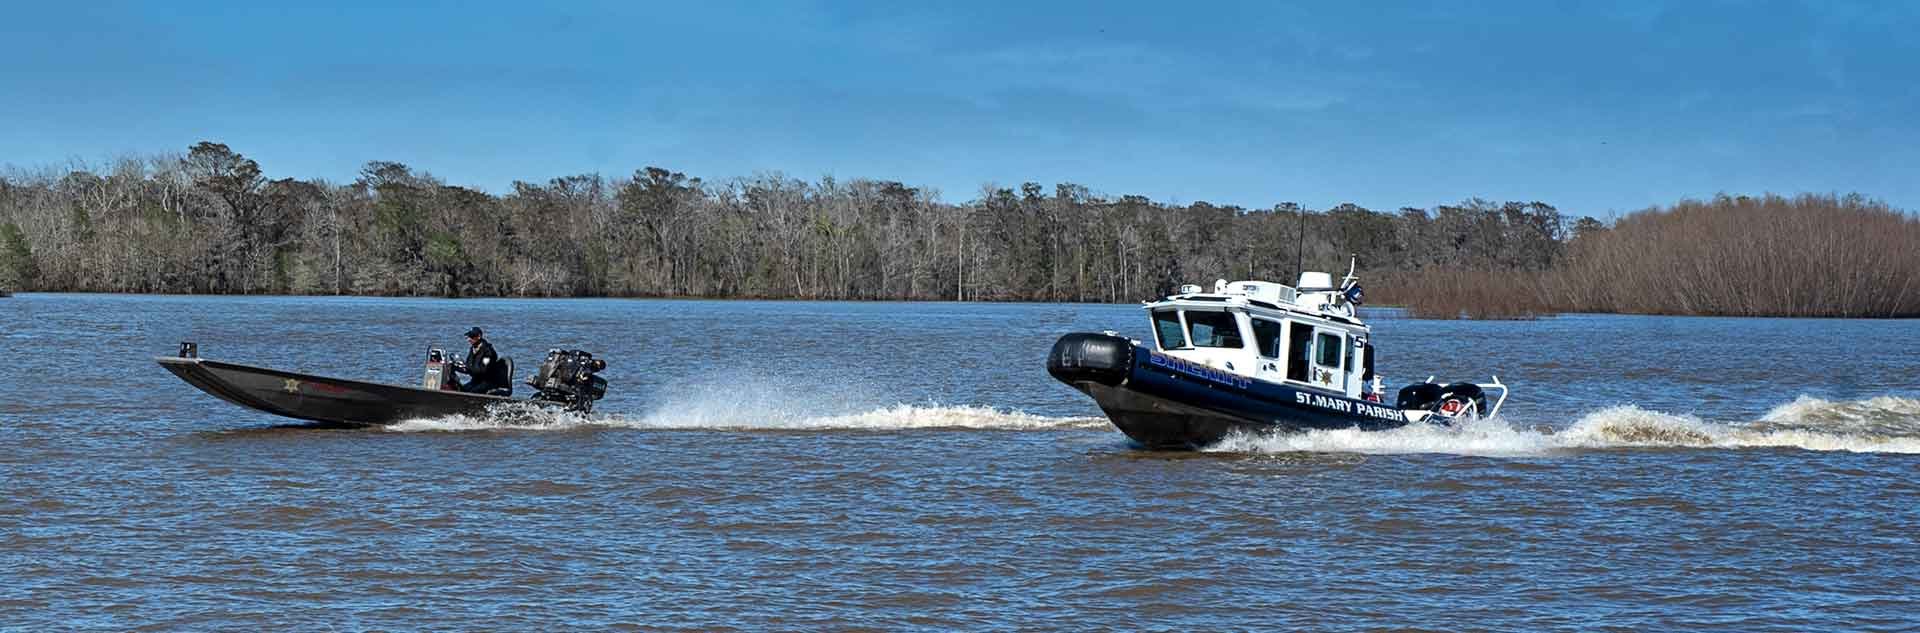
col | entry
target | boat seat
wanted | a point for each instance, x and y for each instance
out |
(506, 389)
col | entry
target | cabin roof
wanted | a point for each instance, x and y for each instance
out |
(1236, 301)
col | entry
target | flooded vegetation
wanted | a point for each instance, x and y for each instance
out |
(1805, 256)
(1821, 256)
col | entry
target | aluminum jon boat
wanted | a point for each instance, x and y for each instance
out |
(567, 379)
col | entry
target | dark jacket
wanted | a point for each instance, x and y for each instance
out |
(485, 366)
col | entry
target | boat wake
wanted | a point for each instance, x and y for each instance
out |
(752, 402)
(751, 417)
(1879, 425)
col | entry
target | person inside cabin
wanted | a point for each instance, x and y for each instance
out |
(483, 364)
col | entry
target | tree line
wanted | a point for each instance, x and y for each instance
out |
(209, 221)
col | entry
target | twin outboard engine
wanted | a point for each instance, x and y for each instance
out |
(568, 377)
(1449, 400)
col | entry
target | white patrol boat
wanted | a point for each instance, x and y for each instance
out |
(1252, 357)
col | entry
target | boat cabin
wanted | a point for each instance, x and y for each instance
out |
(1305, 336)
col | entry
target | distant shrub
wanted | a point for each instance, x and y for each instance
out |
(1807, 256)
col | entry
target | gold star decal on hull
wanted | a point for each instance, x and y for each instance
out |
(292, 386)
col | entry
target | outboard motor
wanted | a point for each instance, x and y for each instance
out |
(1450, 401)
(568, 377)
(1418, 396)
(1456, 398)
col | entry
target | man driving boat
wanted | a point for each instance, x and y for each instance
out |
(483, 364)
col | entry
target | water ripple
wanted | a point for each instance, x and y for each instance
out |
(788, 466)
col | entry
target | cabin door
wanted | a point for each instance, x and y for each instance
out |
(1329, 369)
(1269, 337)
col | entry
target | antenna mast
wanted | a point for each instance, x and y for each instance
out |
(1299, 247)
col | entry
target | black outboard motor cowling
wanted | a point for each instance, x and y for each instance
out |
(1418, 396)
(568, 376)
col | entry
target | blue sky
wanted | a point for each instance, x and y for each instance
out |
(1597, 108)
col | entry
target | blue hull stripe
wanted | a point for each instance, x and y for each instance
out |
(1254, 401)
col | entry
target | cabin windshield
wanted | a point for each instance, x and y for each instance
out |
(1266, 337)
(1213, 329)
(1166, 326)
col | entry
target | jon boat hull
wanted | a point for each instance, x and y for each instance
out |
(320, 398)
(1165, 403)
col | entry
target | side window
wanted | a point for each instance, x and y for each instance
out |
(1300, 344)
(1330, 350)
(1166, 325)
(1213, 329)
(1266, 334)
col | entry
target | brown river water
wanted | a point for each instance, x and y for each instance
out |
(911, 466)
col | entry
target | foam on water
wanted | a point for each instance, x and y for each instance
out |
(1878, 425)
(1491, 436)
(895, 417)
(1884, 415)
(517, 416)
(750, 401)
(901, 416)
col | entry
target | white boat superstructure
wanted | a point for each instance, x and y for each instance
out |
(1309, 335)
